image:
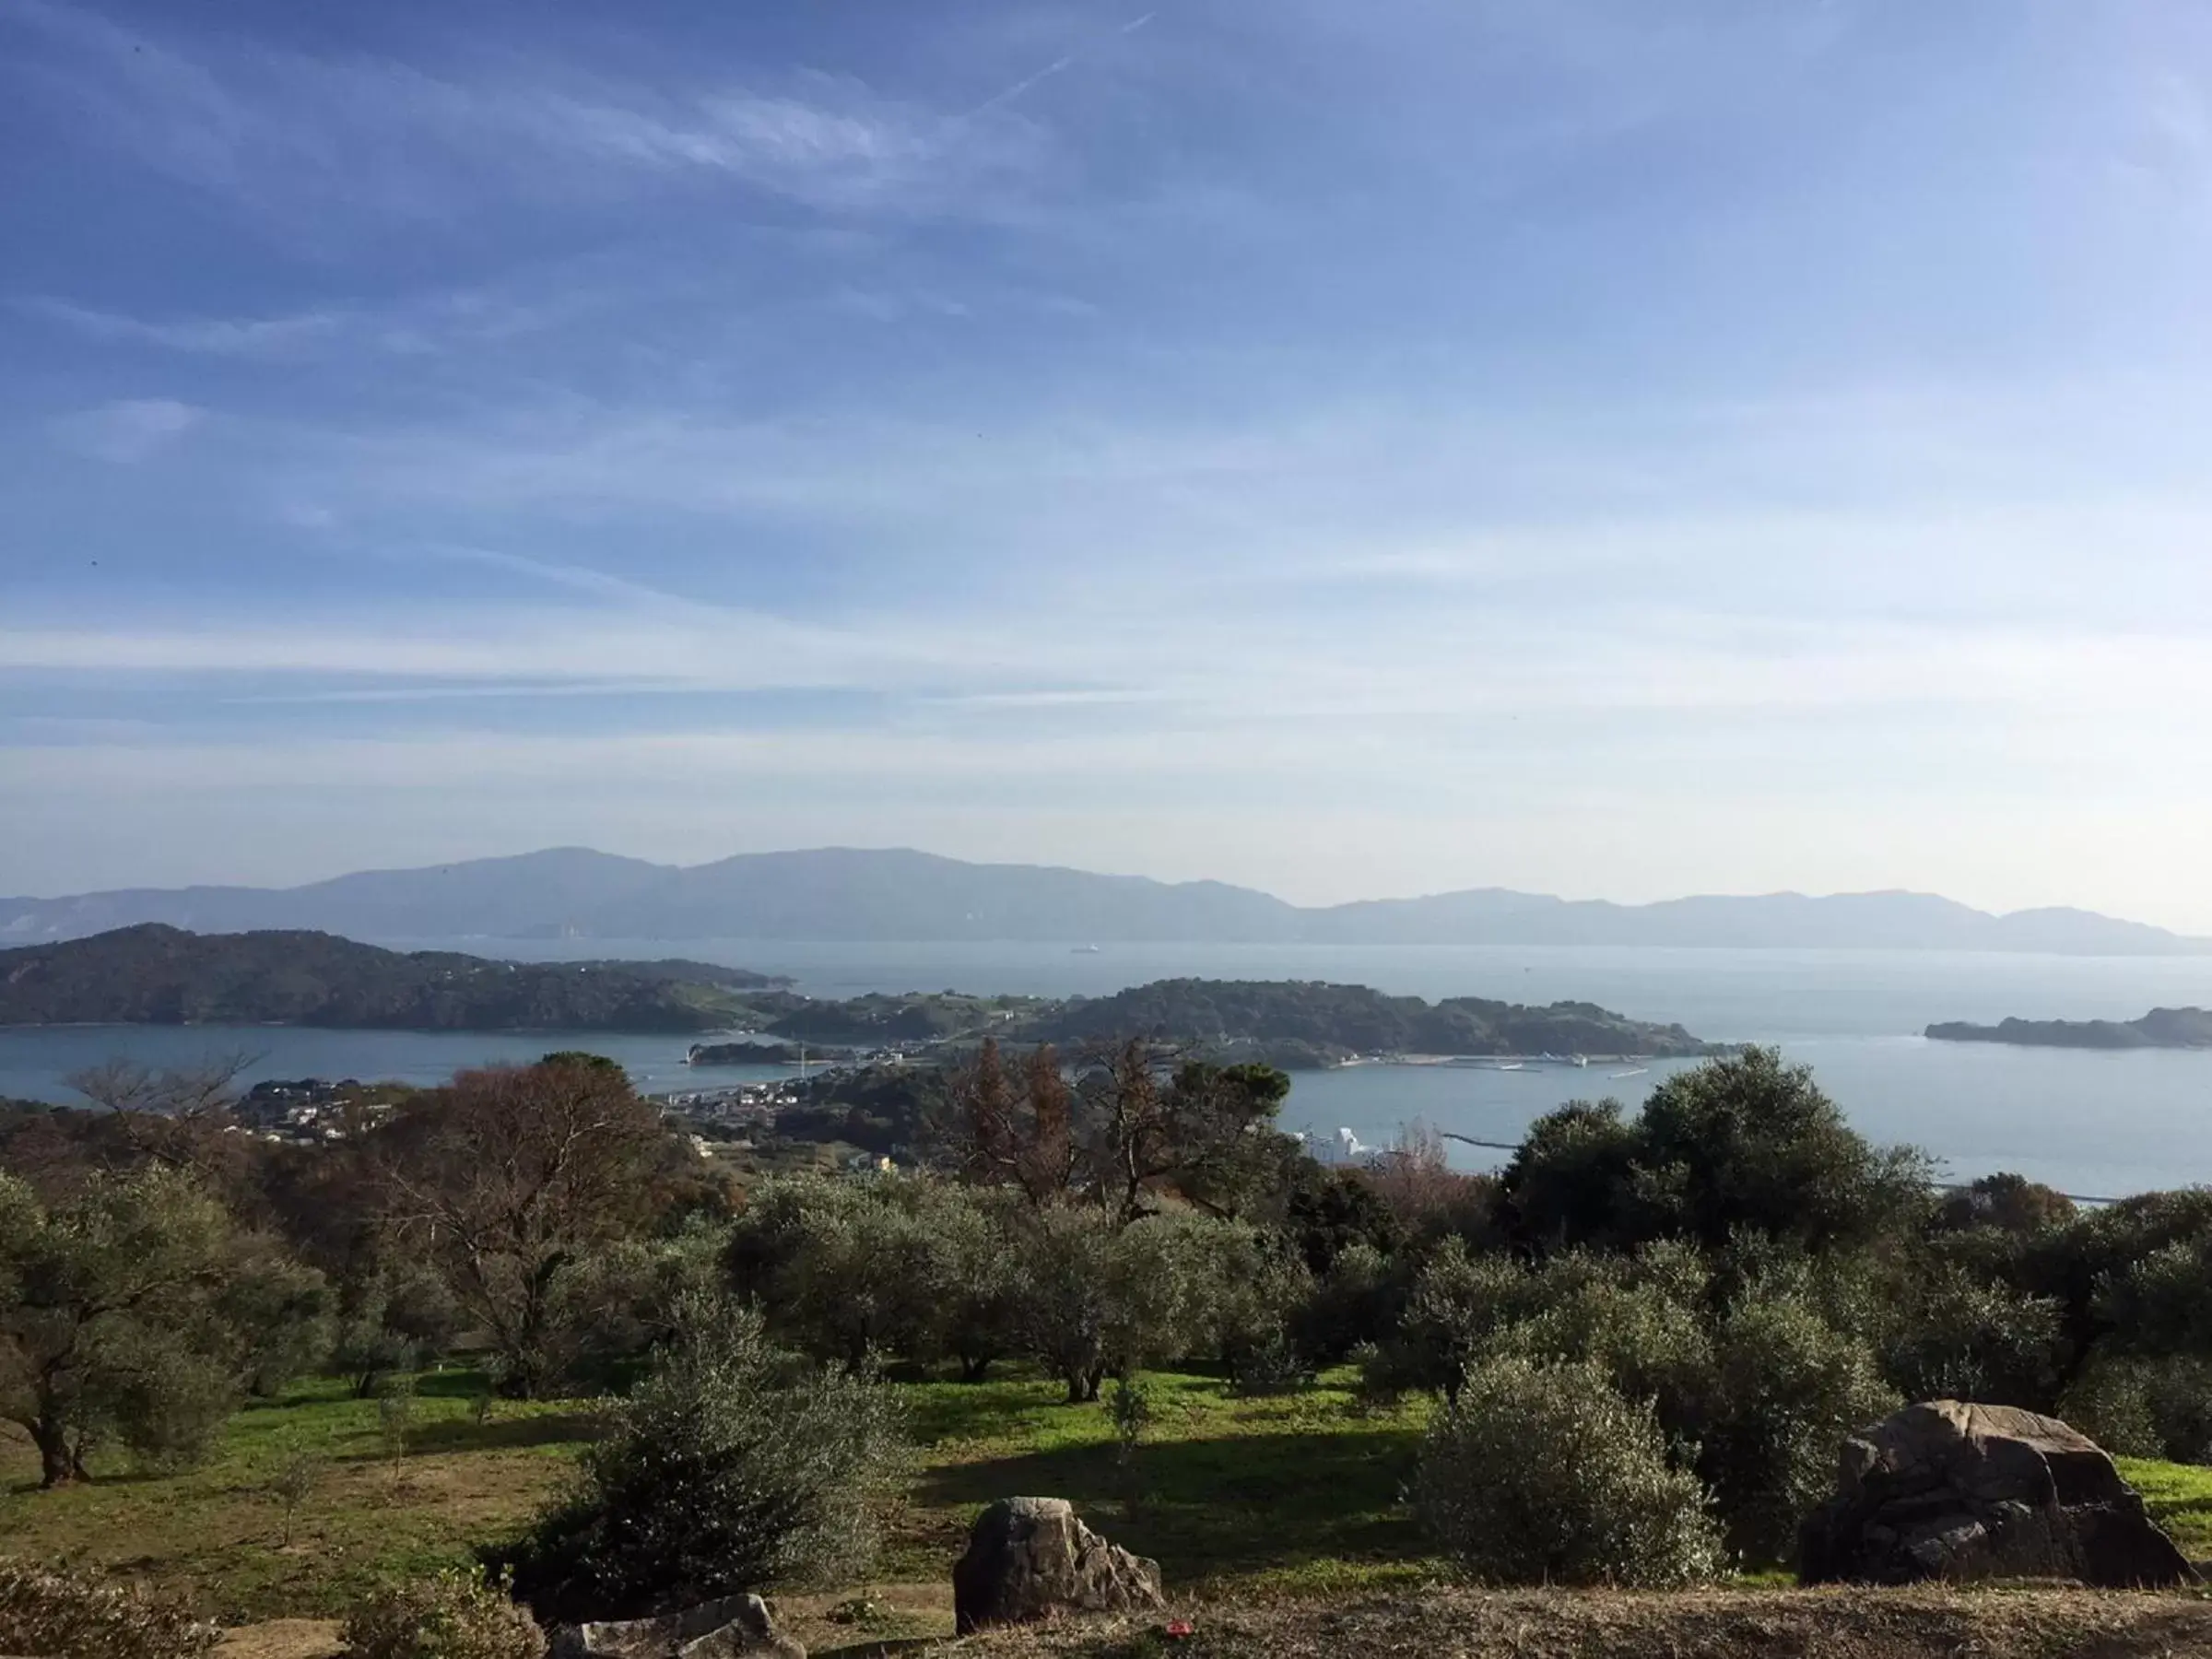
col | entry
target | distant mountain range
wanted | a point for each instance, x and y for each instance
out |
(849, 894)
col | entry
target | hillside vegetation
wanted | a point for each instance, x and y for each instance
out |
(523, 1318)
(1339, 1020)
(158, 975)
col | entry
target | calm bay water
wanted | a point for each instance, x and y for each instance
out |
(2097, 1123)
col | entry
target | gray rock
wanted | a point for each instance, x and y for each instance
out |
(737, 1625)
(1029, 1558)
(1950, 1490)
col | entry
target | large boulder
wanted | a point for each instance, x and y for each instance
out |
(737, 1625)
(1949, 1490)
(1029, 1558)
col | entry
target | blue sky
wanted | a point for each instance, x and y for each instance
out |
(1615, 447)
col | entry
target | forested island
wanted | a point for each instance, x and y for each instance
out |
(2161, 1028)
(1302, 1024)
(159, 975)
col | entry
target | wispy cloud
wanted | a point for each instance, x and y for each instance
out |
(281, 129)
(214, 336)
(130, 430)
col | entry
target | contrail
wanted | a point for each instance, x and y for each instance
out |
(1021, 85)
(1069, 61)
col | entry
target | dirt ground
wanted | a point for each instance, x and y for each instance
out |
(1719, 1624)
(282, 1639)
(2008, 1623)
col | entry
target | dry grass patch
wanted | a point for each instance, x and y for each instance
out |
(2035, 1623)
(284, 1639)
(216, 1532)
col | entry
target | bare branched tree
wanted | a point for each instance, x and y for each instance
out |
(1012, 1126)
(1132, 1142)
(506, 1178)
(179, 1115)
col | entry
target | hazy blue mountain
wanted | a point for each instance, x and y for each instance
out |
(849, 894)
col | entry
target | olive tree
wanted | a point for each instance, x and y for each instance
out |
(1744, 1143)
(733, 1466)
(112, 1317)
(1544, 1474)
(845, 1269)
(1098, 1298)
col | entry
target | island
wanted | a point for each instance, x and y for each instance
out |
(156, 974)
(1302, 1024)
(2159, 1029)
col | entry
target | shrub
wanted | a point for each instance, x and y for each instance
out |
(2144, 1407)
(1356, 1304)
(61, 1613)
(1790, 1388)
(1651, 1346)
(733, 1464)
(1251, 1291)
(1458, 1303)
(1543, 1474)
(452, 1616)
(1959, 1340)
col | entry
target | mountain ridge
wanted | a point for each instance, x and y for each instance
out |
(862, 894)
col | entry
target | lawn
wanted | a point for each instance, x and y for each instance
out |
(218, 1529)
(1283, 1490)
(1286, 1493)
(1289, 1490)
(2180, 1495)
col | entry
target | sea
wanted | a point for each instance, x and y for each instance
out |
(2096, 1125)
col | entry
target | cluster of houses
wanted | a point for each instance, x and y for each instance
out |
(308, 1109)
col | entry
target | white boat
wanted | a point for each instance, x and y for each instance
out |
(1085, 950)
(1641, 1071)
(1514, 1065)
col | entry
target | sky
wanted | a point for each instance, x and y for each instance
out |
(1621, 448)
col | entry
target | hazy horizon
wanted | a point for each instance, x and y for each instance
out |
(1576, 446)
(1356, 898)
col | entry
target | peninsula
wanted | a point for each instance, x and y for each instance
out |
(158, 975)
(2161, 1027)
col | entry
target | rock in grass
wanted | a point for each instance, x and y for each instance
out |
(1031, 1557)
(1950, 1490)
(739, 1626)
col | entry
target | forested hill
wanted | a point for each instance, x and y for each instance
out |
(1333, 1021)
(157, 975)
(2161, 1027)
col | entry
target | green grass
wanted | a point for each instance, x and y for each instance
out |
(2180, 1495)
(1290, 1493)
(1284, 1490)
(217, 1529)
